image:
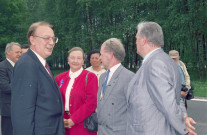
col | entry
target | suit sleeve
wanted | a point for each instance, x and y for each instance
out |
(187, 77)
(5, 85)
(24, 94)
(161, 88)
(91, 102)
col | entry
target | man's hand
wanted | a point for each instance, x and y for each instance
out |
(68, 123)
(184, 94)
(189, 122)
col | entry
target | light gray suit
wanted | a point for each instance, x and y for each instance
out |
(112, 107)
(154, 103)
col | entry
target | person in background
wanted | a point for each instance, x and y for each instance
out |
(154, 103)
(111, 98)
(25, 47)
(94, 58)
(13, 53)
(36, 104)
(78, 93)
(185, 78)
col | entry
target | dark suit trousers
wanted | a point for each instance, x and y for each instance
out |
(6, 125)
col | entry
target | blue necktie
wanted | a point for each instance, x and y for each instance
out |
(105, 82)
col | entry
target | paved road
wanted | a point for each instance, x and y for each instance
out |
(197, 109)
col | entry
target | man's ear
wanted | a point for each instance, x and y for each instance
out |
(8, 52)
(31, 39)
(144, 40)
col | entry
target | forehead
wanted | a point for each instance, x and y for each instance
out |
(16, 47)
(44, 30)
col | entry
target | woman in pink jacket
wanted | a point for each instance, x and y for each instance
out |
(74, 92)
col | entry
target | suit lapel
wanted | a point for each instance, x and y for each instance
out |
(44, 71)
(110, 86)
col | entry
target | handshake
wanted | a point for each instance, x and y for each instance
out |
(189, 91)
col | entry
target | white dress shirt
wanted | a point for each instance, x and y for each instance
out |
(11, 62)
(112, 70)
(72, 76)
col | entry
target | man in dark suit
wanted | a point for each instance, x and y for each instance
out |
(36, 105)
(112, 103)
(13, 53)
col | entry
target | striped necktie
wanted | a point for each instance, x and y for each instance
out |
(48, 69)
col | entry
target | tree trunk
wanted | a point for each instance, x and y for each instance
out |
(89, 27)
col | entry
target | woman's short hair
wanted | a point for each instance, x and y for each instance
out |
(93, 52)
(76, 49)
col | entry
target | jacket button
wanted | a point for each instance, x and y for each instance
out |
(70, 105)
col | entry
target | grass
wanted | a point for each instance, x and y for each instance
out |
(200, 84)
(200, 88)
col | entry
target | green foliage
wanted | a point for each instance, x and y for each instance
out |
(88, 23)
(12, 17)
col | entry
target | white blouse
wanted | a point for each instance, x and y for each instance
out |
(72, 76)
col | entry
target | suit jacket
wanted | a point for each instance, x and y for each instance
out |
(5, 87)
(79, 107)
(112, 107)
(36, 104)
(154, 103)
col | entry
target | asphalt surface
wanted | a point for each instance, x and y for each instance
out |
(197, 109)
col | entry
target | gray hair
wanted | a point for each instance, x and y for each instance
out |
(115, 45)
(152, 31)
(9, 46)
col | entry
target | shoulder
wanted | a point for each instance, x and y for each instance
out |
(89, 68)
(181, 63)
(62, 75)
(3, 63)
(85, 72)
(127, 71)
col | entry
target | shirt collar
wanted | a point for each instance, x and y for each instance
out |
(42, 60)
(75, 74)
(147, 56)
(113, 69)
(11, 62)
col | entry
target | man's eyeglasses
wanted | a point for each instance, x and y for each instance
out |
(47, 38)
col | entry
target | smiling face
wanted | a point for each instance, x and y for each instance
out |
(40, 45)
(14, 54)
(95, 60)
(75, 60)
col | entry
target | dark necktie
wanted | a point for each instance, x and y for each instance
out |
(105, 82)
(48, 69)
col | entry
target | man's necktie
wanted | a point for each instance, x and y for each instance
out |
(105, 82)
(48, 69)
